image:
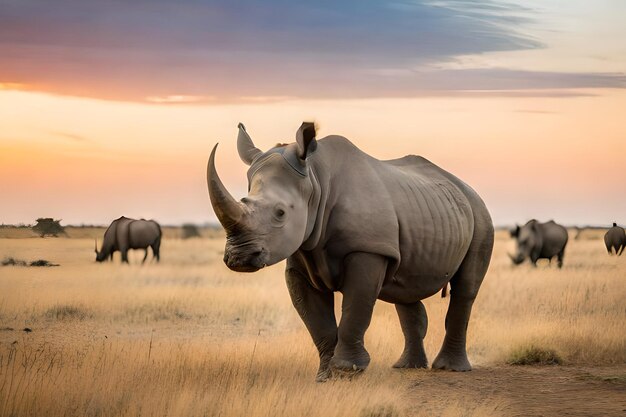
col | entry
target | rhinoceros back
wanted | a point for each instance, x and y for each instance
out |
(409, 210)
(143, 233)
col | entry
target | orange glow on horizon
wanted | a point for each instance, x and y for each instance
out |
(87, 160)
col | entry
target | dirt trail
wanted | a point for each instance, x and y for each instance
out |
(522, 391)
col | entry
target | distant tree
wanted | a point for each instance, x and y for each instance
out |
(190, 230)
(48, 226)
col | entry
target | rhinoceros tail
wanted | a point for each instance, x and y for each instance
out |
(444, 291)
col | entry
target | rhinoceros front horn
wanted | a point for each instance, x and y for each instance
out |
(227, 209)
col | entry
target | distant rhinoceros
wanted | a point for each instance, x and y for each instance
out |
(396, 230)
(615, 238)
(539, 241)
(124, 234)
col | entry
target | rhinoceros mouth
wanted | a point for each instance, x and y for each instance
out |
(248, 261)
(245, 268)
(518, 259)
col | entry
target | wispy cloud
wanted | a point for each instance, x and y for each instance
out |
(178, 99)
(198, 51)
(71, 137)
(531, 111)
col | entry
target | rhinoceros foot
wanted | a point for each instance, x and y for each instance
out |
(323, 375)
(452, 362)
(408, 361)
(346, 368)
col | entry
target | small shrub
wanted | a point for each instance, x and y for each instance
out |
(48, 226)
(67, 312)
(42, 262)
(190, 230)
(9, 261)
(534, 355)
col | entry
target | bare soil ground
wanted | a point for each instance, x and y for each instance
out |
(522, 391)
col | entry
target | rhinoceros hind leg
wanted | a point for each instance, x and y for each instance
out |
(464, 287)
(156, 250)
(414, 323)
(453, 356)
(560, 258)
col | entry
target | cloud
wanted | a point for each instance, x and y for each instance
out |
(530, 111)
(178, 99)
(71, 136)
(185, 52)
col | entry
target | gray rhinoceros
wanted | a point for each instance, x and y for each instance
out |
(396, 230)
(615, 238)
(537, 240)
(124, 234)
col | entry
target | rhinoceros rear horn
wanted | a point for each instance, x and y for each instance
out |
(227, 209)
(247, 151)
(305, 137)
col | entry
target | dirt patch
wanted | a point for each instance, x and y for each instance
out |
(521, 391)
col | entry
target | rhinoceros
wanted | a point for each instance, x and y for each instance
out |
(537, 240)
(615, 238)
(397, 230)
(124, 234)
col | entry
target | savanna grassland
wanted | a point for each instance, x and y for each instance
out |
(188, 337)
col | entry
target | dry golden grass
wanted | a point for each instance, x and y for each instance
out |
(189, 337)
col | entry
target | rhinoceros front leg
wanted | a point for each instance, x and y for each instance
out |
(362, 280)
(414, 323)
(317, 311)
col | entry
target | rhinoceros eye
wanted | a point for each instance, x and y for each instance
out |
(279, 216)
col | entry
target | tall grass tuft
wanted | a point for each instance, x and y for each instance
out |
(68, 312)
(534, 355)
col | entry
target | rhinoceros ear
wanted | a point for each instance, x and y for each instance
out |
(514, 232)
(305, 137)
(247, 151)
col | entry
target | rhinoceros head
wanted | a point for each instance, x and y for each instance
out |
(100, 256)
(271, 222)
(527, 238)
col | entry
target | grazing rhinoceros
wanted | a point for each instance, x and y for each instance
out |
(124, 234)
(615, 238)
(396, 230)
(539, 241)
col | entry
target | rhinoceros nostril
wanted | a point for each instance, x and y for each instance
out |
(256, 254)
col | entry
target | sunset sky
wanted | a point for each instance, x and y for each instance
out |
(111, 108)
